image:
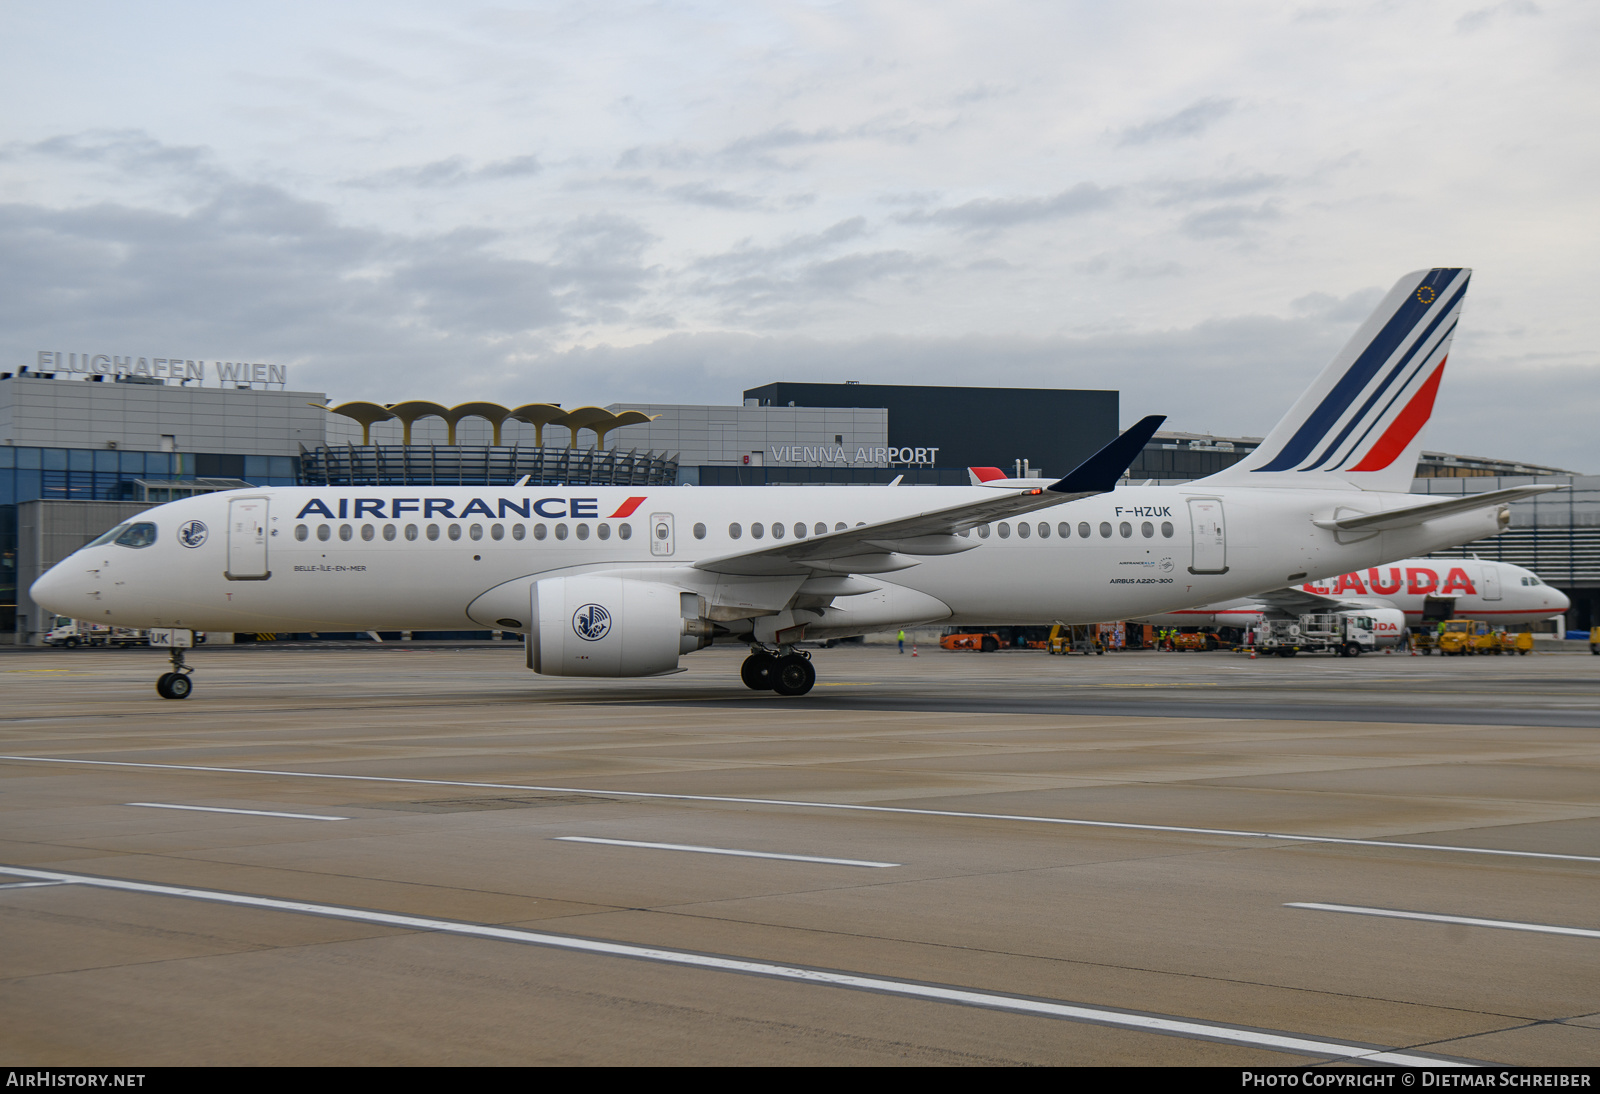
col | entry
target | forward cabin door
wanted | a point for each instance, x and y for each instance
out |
(1489, 578)
(1209, 532)
(247, 540)
(661, 534)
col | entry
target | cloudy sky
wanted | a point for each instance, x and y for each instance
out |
(670, 202)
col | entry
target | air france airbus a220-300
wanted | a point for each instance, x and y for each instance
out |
(612, 582)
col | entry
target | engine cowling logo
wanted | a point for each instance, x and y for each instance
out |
(591, 622)
(192, 534)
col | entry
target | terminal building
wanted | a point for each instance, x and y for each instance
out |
(81, 451)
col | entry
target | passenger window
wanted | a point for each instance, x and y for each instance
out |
(497, 531)
(841, 526)
(518, 531)
(603, 531)
(346, 533)
(561, 531)
(142, 534)
(1125, 530)
(757, 531)
(368, 532)
(433, 532)
(1022, 529)
(624, 531)
(1064, 530)
(734, 531)
(301, 533)
(1147, 529)
(821, 529)
(964, 533)
(777, 530)
(1105, 529)
(476, 531)
(1004, 529)
(389, 532)
(799, 530)
(324, 532)
(1044, 529)
(411, 531)
(455, 531)
(983, 531)
(583, 531)
(1166, 529)
(699, 531)
(1083, 529)
(539, 531)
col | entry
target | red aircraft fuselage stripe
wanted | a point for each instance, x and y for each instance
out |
(626, 509)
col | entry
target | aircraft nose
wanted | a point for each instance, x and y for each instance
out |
(58, 591)
(1560, 602)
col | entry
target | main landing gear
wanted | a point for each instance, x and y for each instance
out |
(787, 672)
(175, 684)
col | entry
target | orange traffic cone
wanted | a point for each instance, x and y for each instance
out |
(913, 649)
(1252, 655)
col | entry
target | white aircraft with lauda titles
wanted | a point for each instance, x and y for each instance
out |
(620, 582)
(1413, 589)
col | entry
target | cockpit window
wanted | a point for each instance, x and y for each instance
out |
(109, 536)
(142, 534)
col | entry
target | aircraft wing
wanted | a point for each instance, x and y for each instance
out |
(1296, 602)
(888, 545)
(1416, 514)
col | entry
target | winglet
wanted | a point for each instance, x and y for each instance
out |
(981, 475)
(1100, 472)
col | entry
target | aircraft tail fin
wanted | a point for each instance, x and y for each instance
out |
(1360, 423)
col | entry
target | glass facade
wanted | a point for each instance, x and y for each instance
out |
(104, 474)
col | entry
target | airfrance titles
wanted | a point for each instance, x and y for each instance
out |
(161, 368)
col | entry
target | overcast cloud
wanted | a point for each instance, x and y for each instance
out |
(596, 203)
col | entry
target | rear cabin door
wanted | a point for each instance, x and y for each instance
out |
(247, 540)
(661, 534)
(1209, 532)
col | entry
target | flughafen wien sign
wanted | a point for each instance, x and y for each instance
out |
(161, 368)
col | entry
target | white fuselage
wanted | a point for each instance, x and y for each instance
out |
(1498, 592)
(448, 558)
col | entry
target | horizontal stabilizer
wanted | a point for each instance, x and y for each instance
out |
(1416, 514)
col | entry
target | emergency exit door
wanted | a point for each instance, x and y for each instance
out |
(1209, 533)
(660, 533)
(247, 540)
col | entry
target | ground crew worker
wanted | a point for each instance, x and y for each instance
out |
(902, 641)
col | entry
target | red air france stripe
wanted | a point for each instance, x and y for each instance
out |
(626, 509)
(1405, 427)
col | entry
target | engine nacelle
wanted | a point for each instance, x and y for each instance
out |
(594, 625)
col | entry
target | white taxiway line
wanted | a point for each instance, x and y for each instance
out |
(1462, 920)
(725, 851)
(834, 806)
(245, 812)
(1049, 1008)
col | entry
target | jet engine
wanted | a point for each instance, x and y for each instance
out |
(594, 625)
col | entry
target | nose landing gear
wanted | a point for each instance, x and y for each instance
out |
(787, 672)
(175, 684)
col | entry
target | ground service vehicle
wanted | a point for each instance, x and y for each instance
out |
(1348, 634)
(72, 633)
(1068, 638)
(981, 641)
(1325, 493)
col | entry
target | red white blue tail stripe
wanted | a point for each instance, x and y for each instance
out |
(1367, 409)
